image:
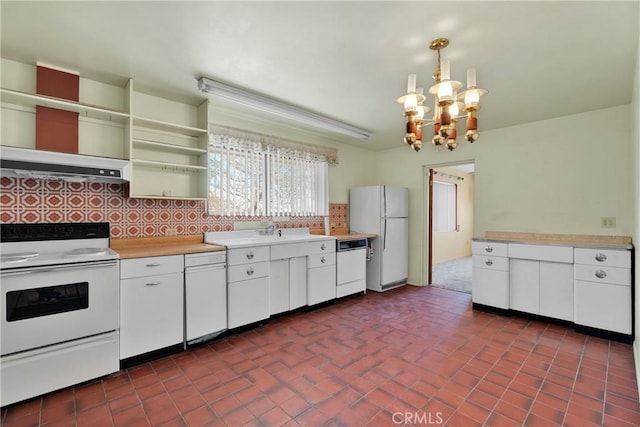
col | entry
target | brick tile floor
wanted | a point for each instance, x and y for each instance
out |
(413, 356)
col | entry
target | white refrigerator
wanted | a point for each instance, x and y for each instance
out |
(384, 211)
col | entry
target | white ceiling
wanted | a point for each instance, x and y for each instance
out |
(347, 60)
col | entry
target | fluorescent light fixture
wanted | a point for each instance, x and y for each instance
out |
(279, 108)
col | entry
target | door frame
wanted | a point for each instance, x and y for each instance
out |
(427, 209)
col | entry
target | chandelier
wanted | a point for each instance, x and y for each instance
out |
(449, 106)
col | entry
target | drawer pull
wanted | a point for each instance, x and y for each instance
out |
(488, 249)
(152, 284)
(601, 274)
(488, 262)
(601, 257)
(157, 264)
(250, 255)
(250, 271)
(323, 247)
(323, 260)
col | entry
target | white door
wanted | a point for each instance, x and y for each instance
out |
(397, 202)
(395, 250)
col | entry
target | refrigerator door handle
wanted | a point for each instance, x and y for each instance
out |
(384, 235)
(384, 202)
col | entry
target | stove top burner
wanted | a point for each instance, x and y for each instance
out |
(18, 256)
(84, 252)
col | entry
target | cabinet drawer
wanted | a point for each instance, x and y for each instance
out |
(489, 248)
(236, 273)
(289, 250)
(322, 246)
(603, 257)
(320, 260)
(490, 262)
(611, 275)
(541, 252)
(247, 255)
(138, 267)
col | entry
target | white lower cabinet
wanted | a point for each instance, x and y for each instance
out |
(603, 289)
(287, 282)
(556, 290)
(279, 286)
(151, 305)
(490, 274)
(248, 301)
(542, 287)
(524, 278)
(247, 285)
(541, 280)
(321, 277)
(297, 282)
(587, 286)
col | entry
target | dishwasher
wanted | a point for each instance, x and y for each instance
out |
(205, 296)
(351, 266)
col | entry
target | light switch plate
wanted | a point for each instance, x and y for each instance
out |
(608, 222)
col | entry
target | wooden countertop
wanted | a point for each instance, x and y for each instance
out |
(158, 246)
(575, 240)
(353, 236)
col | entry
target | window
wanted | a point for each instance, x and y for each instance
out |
(252, 177)
(444, 206)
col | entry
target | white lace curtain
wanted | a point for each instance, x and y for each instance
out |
(257, 175)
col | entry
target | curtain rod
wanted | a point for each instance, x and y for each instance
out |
(446, 175)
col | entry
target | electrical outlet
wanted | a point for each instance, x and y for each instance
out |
(171, 232)
(608, 222)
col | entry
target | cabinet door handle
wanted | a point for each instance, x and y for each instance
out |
(152, 284)
(323, 260)
(601, 274)
(601, 257)
(323, 247)
(154, 265)
(250, 255)
(488, 262)
(488, 249)
(250, 271)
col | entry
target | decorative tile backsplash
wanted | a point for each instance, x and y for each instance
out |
(41, 201)
(339, 215)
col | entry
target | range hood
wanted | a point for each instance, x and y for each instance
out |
(26, 163)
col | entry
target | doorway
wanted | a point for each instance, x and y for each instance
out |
(450, 207)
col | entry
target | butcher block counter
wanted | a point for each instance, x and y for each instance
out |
(574, 240)
(342, 234)
(139, 247)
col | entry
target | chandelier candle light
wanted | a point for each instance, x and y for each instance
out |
(447, 106)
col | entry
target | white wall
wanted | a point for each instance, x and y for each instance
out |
(554, 176)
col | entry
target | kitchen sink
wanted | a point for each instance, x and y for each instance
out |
(243, 238)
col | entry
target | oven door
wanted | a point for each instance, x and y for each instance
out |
(48, 305)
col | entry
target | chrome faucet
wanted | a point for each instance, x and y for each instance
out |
(269, 229)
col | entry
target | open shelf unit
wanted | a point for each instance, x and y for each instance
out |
(169, 148)
(166, 141)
